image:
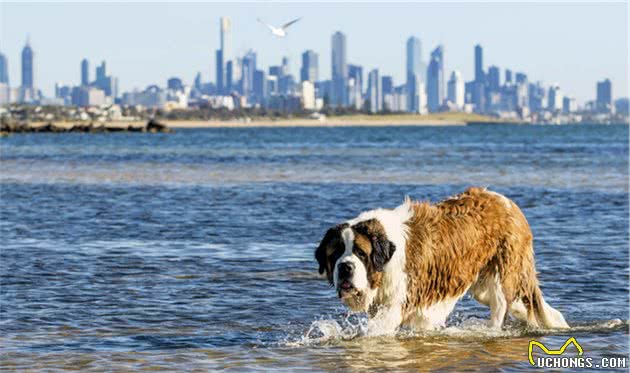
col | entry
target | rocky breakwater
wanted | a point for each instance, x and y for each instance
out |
(14, 126)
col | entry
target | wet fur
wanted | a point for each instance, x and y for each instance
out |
(424, 257)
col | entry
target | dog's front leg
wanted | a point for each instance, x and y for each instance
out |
(386, 321)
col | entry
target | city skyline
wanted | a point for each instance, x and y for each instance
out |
(270, 51)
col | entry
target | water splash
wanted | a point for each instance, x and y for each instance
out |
(330, 330)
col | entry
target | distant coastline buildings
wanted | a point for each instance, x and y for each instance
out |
(240, 82)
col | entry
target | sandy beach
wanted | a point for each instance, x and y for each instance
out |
(442, 119)
(446, 119)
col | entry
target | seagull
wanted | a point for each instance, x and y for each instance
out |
(279, 31)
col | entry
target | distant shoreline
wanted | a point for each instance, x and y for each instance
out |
(302, 123)
(357, 120)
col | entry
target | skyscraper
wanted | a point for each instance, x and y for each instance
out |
(85, 72)
(387, 89)
(456, 90)
(415, 71)
(27, 66)
(508, 76)
(478, 86)
(259, 87)
(375, 94)
(554, 100)
(435, 79)
(4, 69)
(339, 70)
(248, 69)
(309, 70)
(220, 71)
(493, 79)
(108, 84)
(355, 74)
(521, 78)
(229, 77)
(223, 56)
(604, 96)
(225, 30)
(479, 74)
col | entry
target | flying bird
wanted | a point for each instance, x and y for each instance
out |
(279, 31)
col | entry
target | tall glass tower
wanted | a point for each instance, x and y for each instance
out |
(435, 79)
(479, 74)
(85, 72)
(4, 69)
(415, 71)
(223, 54)
(309, 68)
(339, 70)
(27, 66)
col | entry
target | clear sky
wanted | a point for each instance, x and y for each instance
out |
(571, 44)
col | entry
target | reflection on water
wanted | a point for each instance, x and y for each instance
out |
(195, 251)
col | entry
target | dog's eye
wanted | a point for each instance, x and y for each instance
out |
(360, 254)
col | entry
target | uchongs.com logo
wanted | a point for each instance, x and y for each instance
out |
(559, 358)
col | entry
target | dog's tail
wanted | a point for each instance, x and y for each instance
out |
(539, 313)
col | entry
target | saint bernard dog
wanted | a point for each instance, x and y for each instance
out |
(410, 265)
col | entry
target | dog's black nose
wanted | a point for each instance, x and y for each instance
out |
(345, 269)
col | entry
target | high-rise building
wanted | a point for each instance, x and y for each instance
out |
(355, 75)
(508, 76)
(478, 85)
(422, 98)
(259, 87)
(387, 84)
(307, 93)
(225, 28)
(537, 97)
(435, 80)
(415, 71)
(248, 68)
(85, 72)
(604, 96)
(27, 67)
(339, 70)
(309, 70)
(175, 84)
(229, 77)
(554, 99)
(479, 73)
(493, 80)
(456, 90)
(223, 56)
(387, 89)
(356, 72)
(197, 82)
(569, 105)
(220, 72)
(104, 82)
(375, 93)
(4, 69)
(285, 65)
(521, 78)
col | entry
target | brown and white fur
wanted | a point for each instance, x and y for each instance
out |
(410, 265)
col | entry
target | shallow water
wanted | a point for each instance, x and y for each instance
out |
(195, 250)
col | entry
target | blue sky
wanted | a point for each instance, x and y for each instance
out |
(571, 44)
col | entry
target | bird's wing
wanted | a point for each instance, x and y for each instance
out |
(290, 23)
(266, 24)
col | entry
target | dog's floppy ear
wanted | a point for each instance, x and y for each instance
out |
(327, 248)
(382, 248)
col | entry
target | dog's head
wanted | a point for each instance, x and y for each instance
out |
(354, 258)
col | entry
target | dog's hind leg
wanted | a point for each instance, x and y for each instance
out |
(498, 303)
(488, 291)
